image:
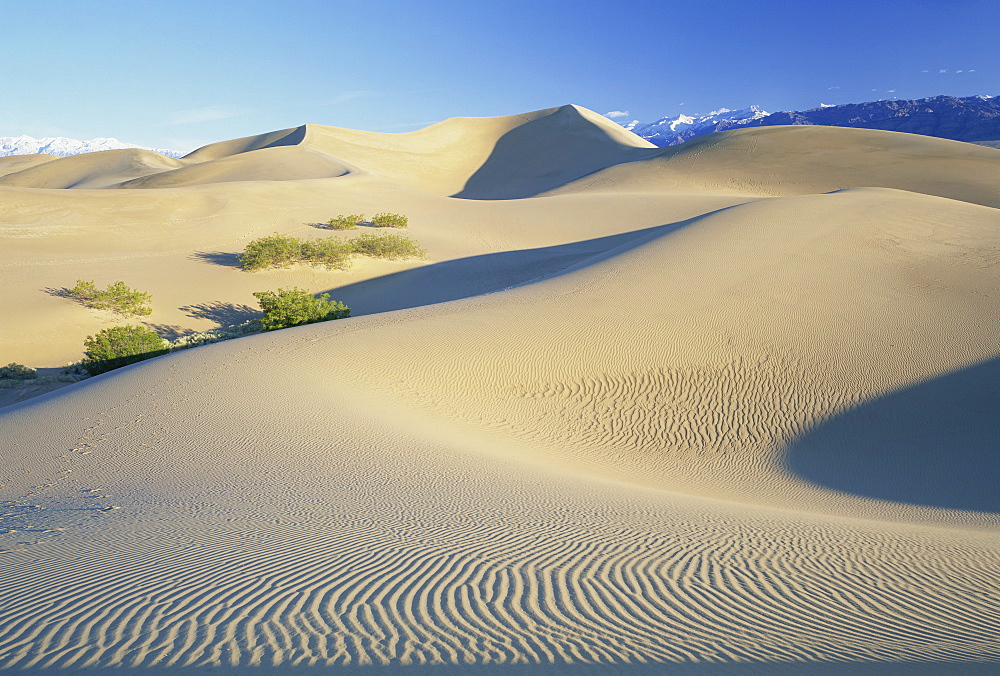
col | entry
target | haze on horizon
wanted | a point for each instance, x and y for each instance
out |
(184, 74)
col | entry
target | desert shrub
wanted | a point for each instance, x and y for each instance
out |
(279, 251)
(119, 346)
(342, 222)
(329, 252)
(14, 371)
(276, 251)
(390, 221)
(389, 246)
(295, 306)
(118, 297)
(84, 291)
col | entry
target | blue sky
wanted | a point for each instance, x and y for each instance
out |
(178, 74)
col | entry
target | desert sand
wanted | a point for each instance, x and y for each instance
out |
(727, 407)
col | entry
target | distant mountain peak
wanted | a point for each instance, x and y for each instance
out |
(971, 118)
(673, 130)
(64, 147)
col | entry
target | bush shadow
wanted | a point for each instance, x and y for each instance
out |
(61, 292)
(936, 444)
(168, 331)
(221, 313)
(223, 258)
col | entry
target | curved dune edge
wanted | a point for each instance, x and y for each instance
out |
(376, 491)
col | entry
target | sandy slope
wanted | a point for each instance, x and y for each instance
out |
(13, 163)
(650, 417)
(797, 160)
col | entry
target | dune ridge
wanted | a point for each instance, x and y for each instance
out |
(732, 405)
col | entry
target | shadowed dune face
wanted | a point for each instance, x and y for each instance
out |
(274, 139)
(549, 152)
(476, 275)
(936, 444)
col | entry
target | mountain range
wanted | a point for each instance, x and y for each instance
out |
(975, 119)
(64, 147)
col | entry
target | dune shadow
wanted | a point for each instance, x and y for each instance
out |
(546, 153)
(477, 275)
(223, 258)
(934, 444)
(221, 313)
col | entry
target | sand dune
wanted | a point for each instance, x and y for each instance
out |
(91, 170)
(796, 160)
(13, 163)
(697, 405)
(288, 163)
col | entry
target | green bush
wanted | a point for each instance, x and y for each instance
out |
(14, 371)
(295, 306)
(280, 251)
(276, 251)
(119, 346)
(342, 222)
(389, 246)
(329, 252)
(118, 297)
(390, 221)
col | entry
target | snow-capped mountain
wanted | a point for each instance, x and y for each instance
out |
(669, 131)
(63, 147)
(975, 119)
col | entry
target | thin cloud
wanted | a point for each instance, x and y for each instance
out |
(890, 91)
(612, 114)
(206, 114)
(943, 70)
(833, 87)
(344, 97)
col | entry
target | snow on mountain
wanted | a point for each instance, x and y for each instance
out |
(668, 131)
(63, 147)
(974, 119)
